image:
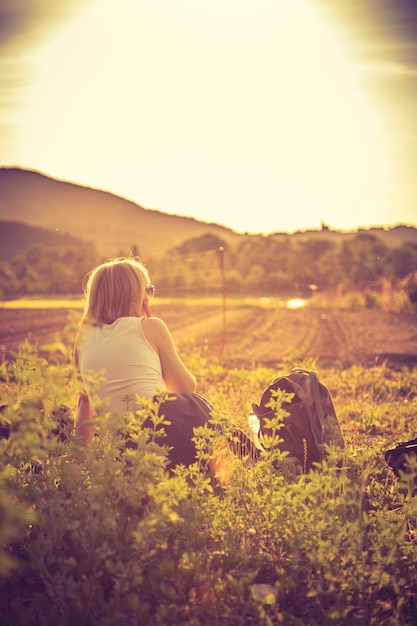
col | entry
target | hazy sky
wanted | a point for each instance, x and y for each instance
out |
(262, 115)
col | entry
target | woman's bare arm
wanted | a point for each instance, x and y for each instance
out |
(84, 419)
(84, 416)
(177, 377)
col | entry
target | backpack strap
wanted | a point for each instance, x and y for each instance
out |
(316, 395)
(312, 394)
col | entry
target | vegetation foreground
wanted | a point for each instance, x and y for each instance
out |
(116, 539)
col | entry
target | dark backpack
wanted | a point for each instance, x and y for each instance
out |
(311, 422)
(398, 456)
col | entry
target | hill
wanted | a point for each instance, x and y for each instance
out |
(116, 225)
(391, 236)
(16, 237)
(113, 224)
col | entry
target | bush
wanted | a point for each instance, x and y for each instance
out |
(113, 537)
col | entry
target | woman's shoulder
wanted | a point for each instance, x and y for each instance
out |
(152, 320)
(154, 323)
(155, 330)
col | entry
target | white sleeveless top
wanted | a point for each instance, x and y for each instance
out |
(129, 363)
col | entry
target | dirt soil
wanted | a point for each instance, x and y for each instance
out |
(251, 335)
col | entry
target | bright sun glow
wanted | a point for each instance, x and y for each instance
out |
(210, 111)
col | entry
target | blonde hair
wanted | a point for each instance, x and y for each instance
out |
(115, 289)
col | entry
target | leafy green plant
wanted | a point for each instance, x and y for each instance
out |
(111, 535)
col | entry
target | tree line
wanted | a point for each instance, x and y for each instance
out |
(259, 265)
(275, 266)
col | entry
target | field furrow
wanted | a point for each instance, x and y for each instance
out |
(248, 334)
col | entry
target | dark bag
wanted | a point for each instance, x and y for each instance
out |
(397, 457)
(311, 422)
(184, 412)
(187, 411)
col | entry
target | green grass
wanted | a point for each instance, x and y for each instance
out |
(114, 538)
(39, 302)
(43, 303)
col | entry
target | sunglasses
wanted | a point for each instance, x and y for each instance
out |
(150, 291)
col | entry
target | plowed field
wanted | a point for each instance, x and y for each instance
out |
(262, 334)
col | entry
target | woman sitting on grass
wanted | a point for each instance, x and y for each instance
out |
(119, 335)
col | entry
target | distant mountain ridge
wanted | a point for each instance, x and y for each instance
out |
(113, 224)
(16, 237)
(116, 225)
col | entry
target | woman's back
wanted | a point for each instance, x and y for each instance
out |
(120, 350)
